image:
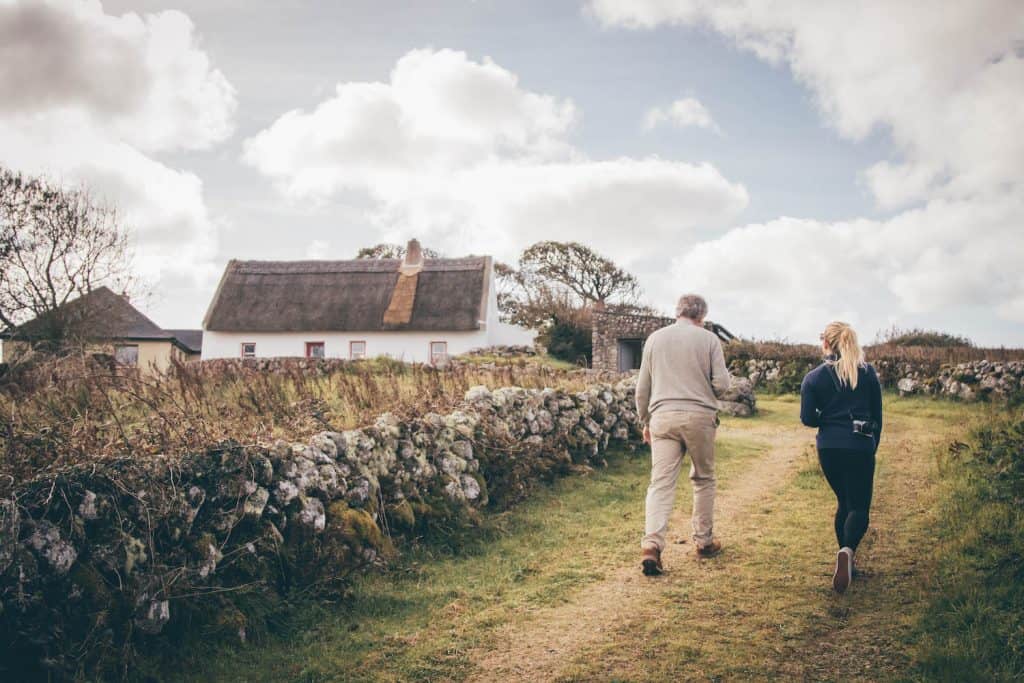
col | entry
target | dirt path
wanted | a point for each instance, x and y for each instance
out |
(554, 592)
(538, 644)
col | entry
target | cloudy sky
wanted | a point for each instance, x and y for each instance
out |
(795, 161)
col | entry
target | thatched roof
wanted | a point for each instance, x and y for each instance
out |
(294, 296)
(99, 314)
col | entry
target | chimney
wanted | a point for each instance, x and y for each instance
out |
(403, 297)
(413, 261)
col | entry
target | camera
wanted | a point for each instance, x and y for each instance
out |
(865, 427)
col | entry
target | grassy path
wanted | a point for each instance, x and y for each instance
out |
(552, 590)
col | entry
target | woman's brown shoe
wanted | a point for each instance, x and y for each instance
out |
(709, 550)
(650, 561)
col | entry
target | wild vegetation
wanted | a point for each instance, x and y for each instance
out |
(73, 409)
(973, 626)
(895, 336)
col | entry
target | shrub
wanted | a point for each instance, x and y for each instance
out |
(918, 337)
(973, 627)
(570, 342)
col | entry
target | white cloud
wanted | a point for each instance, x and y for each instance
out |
(86, 97)
(141, 80)
(458, 153)
(682, 113)
(789, 276)
(318, 249)
(945, 85)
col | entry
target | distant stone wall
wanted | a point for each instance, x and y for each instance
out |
(97, 558)
(970, 381)
(609, 328)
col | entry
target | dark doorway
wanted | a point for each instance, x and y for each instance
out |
(630, 352)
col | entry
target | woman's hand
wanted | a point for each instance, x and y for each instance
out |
(647, 433)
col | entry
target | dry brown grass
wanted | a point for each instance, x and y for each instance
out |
(896, 353)
(75, 409)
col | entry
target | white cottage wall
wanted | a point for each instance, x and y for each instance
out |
(406, 346)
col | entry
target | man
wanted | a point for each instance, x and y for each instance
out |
(682, 374)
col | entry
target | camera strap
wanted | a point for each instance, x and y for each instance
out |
(831, 370)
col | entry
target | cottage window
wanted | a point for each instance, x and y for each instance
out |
(127, 355)
(357, 350)
(248, 349)
(314, 349)
(438, 352)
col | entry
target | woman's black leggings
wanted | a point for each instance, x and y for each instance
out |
(851, 475)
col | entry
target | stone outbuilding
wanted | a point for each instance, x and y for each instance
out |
(618, 338)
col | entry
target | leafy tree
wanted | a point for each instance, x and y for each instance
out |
(56, 244)
(554, 290)
(387, 250)
(581, 270)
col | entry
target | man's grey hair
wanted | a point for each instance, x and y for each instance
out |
(692, 306)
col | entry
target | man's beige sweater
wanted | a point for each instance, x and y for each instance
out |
(683, 368)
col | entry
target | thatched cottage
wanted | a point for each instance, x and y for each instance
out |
(105, 324)
(414, 309)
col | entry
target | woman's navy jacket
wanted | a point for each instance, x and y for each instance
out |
(832, 408)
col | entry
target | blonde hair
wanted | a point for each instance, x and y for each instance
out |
(842, 341)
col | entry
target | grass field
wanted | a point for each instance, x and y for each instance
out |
(551, 590)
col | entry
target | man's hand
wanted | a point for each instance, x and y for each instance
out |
(647, 433)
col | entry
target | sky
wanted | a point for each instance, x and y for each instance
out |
(793, 161)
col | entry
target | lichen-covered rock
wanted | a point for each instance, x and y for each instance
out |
(256, 503)
(87, 508)
(311, 514)
(48, 543)
(153, 617)
(908, 386)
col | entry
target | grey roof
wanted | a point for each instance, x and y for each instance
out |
(99, 314)
(190, 339)
(293, 296)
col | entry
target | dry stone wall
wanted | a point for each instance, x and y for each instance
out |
(970, 381)
(105, 556)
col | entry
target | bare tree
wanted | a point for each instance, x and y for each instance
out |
(56, 244)
(386, 250)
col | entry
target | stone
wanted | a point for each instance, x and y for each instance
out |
(47, 541)
(87, 508)
(256, 503)
(154, 617)
(311, 514)
(907, 386)
(285, 492)
(735, 409)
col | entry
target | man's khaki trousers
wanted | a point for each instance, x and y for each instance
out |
(673, 435)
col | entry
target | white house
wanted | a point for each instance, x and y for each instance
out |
(415, 309)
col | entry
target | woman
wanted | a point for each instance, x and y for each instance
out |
(843, 399)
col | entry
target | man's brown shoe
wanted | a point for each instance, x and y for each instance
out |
(709, 550)
(650, 561)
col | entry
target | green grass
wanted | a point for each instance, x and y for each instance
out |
(973, 627)
(764, 609)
